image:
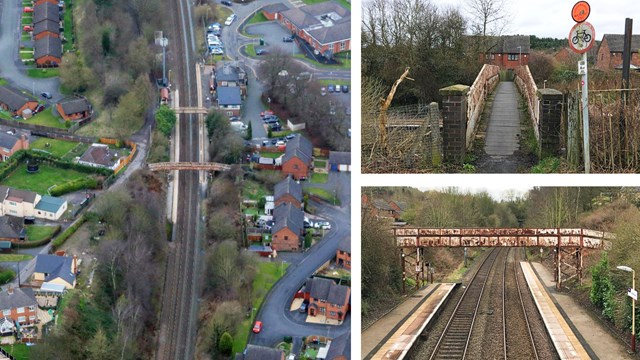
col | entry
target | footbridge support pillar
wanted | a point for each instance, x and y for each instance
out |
(550, 118)
(454, 122)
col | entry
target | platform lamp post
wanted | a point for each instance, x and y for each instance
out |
(520, 55)
(633, 308)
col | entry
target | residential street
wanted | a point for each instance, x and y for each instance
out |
(277, 319)
(12, 69)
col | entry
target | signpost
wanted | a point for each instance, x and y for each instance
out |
(581, 39)
(633, 293)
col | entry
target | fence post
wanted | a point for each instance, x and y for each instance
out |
(573, 130)
(454, 115)
(436, 139)
(549, 120)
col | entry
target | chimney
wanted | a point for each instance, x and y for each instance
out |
(74, 265)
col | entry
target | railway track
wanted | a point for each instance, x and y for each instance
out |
(176, 339)
(454, 341)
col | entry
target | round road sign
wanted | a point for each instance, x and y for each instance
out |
(582, 37)
(580, 11)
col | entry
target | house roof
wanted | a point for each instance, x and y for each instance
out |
(340, 157)
(74, 106)
(508, 44)
(3, 192)
(229, 95)
(255, 352)
(299, 147)
(13, 98)
(616, 42)
(50, 287)
(55, 267)
(5, 244)
(275, 8)
(338, 346)
(325, 289)
(288, 216)
(22, 195)
(327, 22)
(48, 46)
(328, 35)
(6, 325)
(288, 186)
(260, 248)
(50, 204)
(345, 244)
(46, 25)
(101, 155)
(10, 227)
(401, 204)
(227, 72)
(46, 11)
(20, 297)
(7, 141)
(382, 204)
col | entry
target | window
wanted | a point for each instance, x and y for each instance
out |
(286, 237)
(6, 312)
(333, 313)
(20, 310)
(13, 211)
(32, 318)
(493, 56)
(343, 45)
(12, 203)
(323, 310)
(513, 57)
(32, 308)
(22, 319)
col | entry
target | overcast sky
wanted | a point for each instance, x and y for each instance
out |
(552, 18)
(497, 192)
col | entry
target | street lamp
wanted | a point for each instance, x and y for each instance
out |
(520, 55)
(633, 308)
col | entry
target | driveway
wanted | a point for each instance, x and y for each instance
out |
(277, 319)
(12, 68)
(272, 33)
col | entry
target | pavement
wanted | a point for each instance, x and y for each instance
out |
(12, 68)
(598, 338)
(503, 131)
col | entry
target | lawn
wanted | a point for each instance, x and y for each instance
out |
(253, 190)
(257, 18)
(40, 232)
(15, 257)
(78, 150)
(320, 163)
(319, 178)
(251, 50)
(46, 118)
(68, 27)
(43, 180)
(268, 274)
(3, 82)
(251, 211)
(56, 147)
(43, 73)
(323, 194)
(327, 82)
(346, 63)
(26, 55)
(311, 353)
(271, 155)
(19, 351)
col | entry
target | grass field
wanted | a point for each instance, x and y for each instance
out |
(15, 257)
(319, 178)
(319, 163)
(323, 194)
(268, 274)
(257, 18)
(253, 190)
(76, 151)
(3, 82)
(327, 82)
(251, 50)
(46, 118)
(19, 351)
(43, 73)
(41, 181)
(271, 155)
(56, 147)
(345, 65)
(40, 232)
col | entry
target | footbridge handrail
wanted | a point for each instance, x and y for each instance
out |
(485, 82)
(529, 89)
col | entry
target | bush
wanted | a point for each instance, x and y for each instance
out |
(308, 239)
(59, 241)
(288, 339)
(165, 119)
(225, 345)
(75, 185)
(6, 276)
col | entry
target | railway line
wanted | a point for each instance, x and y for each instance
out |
(177, 326)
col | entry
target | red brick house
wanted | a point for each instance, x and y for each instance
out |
(48, 51)
(508, 52)
(74, 109)
(343, 253)
(272, 11)
(288, 191)
(19, 305)
(567, 57)
(297, 158)
(39, 2)
(327, 298)
(15, 102)
(288, 229)
(325, 26)
(611, 49)
(46, 28)
(9, 144)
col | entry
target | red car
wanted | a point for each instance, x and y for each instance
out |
(257, 327)
(27, 28)
(266, 113)
(27, 9)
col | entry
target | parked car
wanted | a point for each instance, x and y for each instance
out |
(261, 52)
(345, 88)
(290, 136)
(265, 142)
(274, 141)
(39, 109)
(266, 113)
(257, 327)
(326, 226)
(27, 9)
(27, 28)
(216, 50)
(287, 39)
(280, 143)
(303, 308)
(234, 118)
(323, 91)
(331, 88)
(230, 19)
(46, 95)
(338, 89)
(226, 2)
(275, 127)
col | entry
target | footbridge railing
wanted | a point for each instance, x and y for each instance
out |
(484, 84)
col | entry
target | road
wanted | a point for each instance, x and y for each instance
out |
(277, 319)
(12, 68)
(177, 323)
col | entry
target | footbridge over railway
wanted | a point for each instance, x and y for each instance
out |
(195, 166)
(569, 245)
(463, 106)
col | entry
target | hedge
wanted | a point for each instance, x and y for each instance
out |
(59, 241)
(34, 244)
(6, 276)
(75, 185)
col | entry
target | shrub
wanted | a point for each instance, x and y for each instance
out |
(288, 339)
(6, 276)
(225, 345)
(59, 241)
(165, 119)
(75, 185)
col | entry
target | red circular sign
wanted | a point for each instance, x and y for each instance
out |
(582, 37)
(580, 11)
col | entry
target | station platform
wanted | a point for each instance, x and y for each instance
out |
(394, 334)
(564, 340)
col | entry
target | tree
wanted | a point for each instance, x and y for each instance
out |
(542, 66)
(249, 132)
(166, 119)
(492, 16)
(73, 74)
(225, 345)
(99, 347)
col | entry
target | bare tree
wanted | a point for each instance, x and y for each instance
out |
(491, 16)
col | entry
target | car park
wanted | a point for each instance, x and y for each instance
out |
(46, 95)
(257, 327)
(345, 88)
(331, 88)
